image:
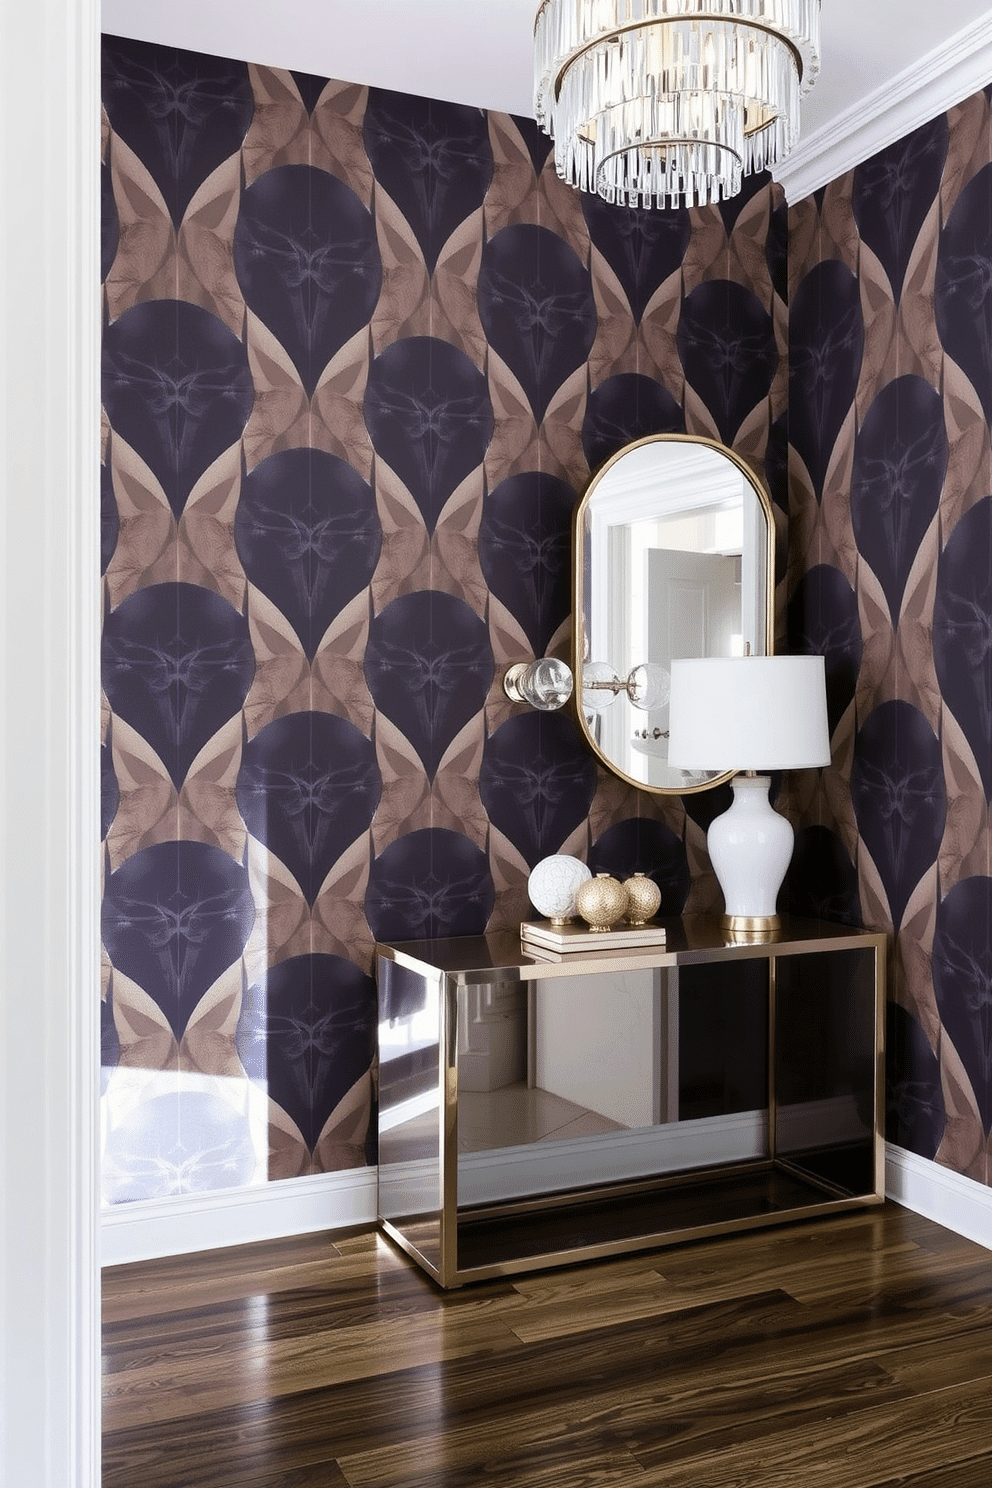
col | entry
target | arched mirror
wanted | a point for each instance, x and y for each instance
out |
(674, 557)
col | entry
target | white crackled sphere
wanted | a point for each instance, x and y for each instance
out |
(553, 885)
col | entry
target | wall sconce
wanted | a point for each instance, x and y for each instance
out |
(545, 684)
(648, 686)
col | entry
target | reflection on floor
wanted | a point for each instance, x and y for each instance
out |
(518, 1114)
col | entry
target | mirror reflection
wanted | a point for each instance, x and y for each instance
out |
(673, 558)
(566, 1082)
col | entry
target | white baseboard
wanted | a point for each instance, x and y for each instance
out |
(508, 1173)
(151, 1228)
(540, 1167)
(958, 1203)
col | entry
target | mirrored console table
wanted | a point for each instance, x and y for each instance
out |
(536, 1112)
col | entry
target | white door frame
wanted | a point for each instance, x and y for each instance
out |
(49, 746)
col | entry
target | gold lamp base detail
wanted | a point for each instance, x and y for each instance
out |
(751, 929)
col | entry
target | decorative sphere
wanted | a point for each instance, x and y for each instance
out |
(553, 885)
(645, 898)
(602, 901)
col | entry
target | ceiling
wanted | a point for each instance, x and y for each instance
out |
(886, 64)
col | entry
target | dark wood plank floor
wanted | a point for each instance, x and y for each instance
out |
(853, 1352)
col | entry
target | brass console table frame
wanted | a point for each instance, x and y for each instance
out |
(457, 1245)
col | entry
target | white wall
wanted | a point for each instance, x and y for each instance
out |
(49, 778)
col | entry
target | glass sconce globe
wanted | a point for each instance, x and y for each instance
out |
(545, 684)
(649, 686)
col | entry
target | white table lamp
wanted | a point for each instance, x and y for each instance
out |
(749, 713)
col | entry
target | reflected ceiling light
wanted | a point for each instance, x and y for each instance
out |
(669, 102)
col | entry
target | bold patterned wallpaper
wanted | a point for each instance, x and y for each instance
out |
(890, 509)
(361, 351)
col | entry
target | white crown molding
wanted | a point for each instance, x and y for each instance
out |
(946, 76)
(958, 1203)
(151, 1228)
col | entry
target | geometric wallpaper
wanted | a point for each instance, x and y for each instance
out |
(361, 352)
(890, 511)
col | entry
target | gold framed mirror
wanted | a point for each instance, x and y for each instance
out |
(674, 556)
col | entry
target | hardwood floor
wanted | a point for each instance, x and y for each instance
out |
(844, 1353)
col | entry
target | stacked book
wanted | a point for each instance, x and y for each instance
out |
(542, 938)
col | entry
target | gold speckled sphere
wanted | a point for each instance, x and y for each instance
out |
(645, 898)
(602, 901)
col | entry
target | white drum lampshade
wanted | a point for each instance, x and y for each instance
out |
(750, 713)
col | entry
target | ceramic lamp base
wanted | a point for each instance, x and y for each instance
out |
(750, 848)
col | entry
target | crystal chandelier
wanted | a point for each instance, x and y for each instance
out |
(669, 102)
